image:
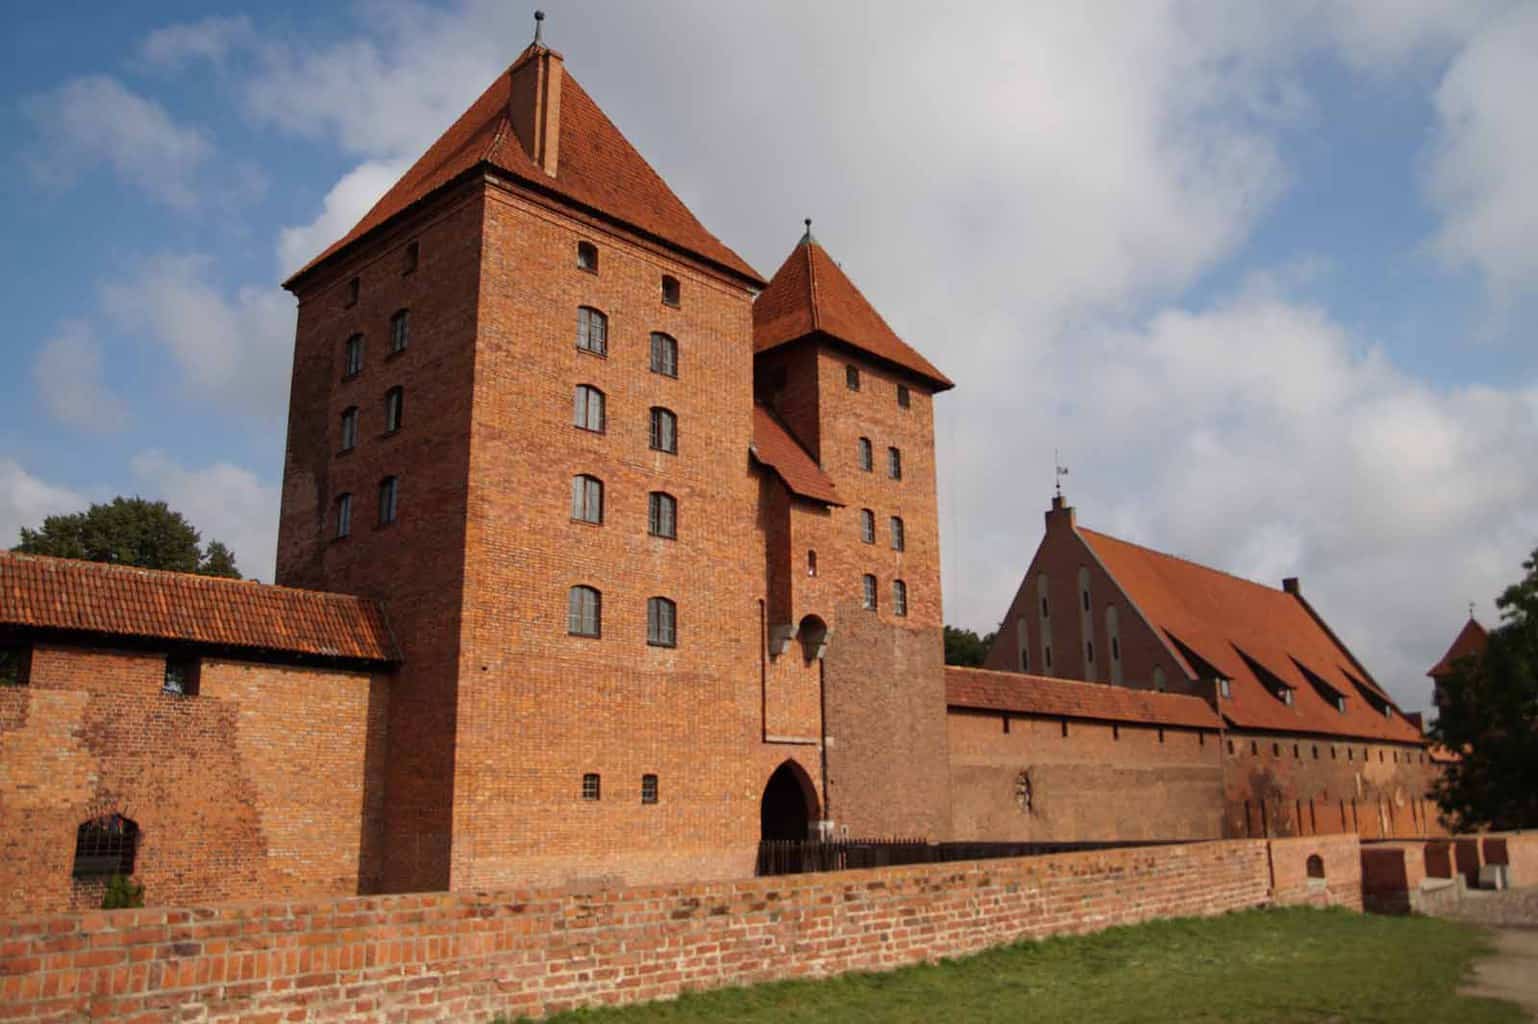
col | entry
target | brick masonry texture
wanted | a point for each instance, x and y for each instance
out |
(472, 955)
(265, 784)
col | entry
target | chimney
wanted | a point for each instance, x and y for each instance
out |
(534, 104)
(1291, 586)
(1060, 514)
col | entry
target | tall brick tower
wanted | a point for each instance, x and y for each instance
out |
(522, 418)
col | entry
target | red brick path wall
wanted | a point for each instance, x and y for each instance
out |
(1342, 860)
(469, 956)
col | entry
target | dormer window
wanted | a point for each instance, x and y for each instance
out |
(1388, 711)
(670, 291)
(1284, 694)
(587, 257)
(1340, 703)
(1225, 688)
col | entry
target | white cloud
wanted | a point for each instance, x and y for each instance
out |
(211, 40)
(233, 350)
(26, 500)
(69, 380)
(225, 503)
(346, 203)
(95, 120)
(1484, 171)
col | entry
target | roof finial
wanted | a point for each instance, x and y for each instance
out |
(808, 236)
(1060, 470)
(539, 27)
(1471, 610)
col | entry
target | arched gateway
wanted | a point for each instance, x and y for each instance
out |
(789, 805)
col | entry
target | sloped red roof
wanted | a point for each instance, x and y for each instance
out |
(810, 293)
(598, 168)
(1234, 625)
(774, 446)
(93, 597)
(985, 690)
(1470, 642)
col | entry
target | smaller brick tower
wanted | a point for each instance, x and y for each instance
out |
(862, 594)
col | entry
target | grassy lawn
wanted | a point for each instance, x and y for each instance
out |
(1264, 965)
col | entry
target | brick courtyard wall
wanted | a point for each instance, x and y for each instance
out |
(1519, 851)
(470, 956)
(267, 783)
(1340, 858)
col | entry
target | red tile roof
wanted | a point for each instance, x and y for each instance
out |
(774, 446)
(598, 168)
(985, 690)
(1470, 642)
(809, 293)
(1246, 631)
(92, 597)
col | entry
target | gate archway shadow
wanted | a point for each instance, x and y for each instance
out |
(789, 804)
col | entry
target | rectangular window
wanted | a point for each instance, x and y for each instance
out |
(409, 260)
(852, 378)
(352, 360)
(350, 429)
(899, 597)
(661, 622)
(670, 290)
(343, 515)
(395, 401)
(894, 463)
(899, 540)
(868, 592)
(867, 526)
(587, 257)
(662, 514)
(864, 454)
(591, 787)
(400, 330)
(182, 672)
(15, 664)
(903, 397)
(648, 789)
(387, 498)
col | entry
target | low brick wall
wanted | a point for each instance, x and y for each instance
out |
(1340, 859)
(470, 956)
(1518, 851)
(1403, 875)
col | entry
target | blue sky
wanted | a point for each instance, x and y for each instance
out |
(1265, 276)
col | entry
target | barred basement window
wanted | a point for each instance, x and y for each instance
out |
(670, 290)
(899, 597)
(868, 592)
(867, 526)
(591, 787)
(352, 356)
(852, 378)
(411, 257)
(15, 664)
(400, 330)
(899, 539)
(664, 431)
(343, 515)
(661, 622)
(388, 493)
(894, 463)
(105, 846)
(587, 257)
(587, 499)
(864, 454)
(662, 515)
(587, 408)
(592, 331)
(584, 612)
(903, 398)
(349, 428)
(648, 789)
(181, 678)
(664, 354)
(395, 408)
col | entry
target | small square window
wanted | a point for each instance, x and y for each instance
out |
(182, 671)
(591, 786)
(409, 259)
(904, 399)
(352, 292)
(15, 664)
(587, 257)
(852, 378)
(648, 789)
(670, 290)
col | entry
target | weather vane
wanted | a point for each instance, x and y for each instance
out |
(1061, 471)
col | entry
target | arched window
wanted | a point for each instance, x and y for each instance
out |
(349, 428)
(868, 592)
(899, 597)
(105, 846)
(587, 257)
(584, 612)
(661, 622)
(670, 290)
(894, 463)
(395, 408)
(1315, 866)
(867, 526)
(587, 499)
(587, 408)
(664, 354)
(389, 492)
(864, 452)
(592, 331)
(400, 330)
(899, 540)
(664, 431)
(662, 515)
(352, 356)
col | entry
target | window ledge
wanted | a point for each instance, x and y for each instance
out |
(346, 451)
(659, 643)
(393, 353)
(351, 376)
(590, 352)
(586, 522)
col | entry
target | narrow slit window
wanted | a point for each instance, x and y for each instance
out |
(400, 330)
(587, 408)
(648, 789)
(662, 515)
(811, 563)
(584, 612)
(592, 331)
(664, 354)
(591, 786)
(353, 287)
(343, 515)
(894, 463)
(411, 257)
(388, 494)
(661, 622)
(349, 428)
(352, 356)
(587, 499)
(664, 431)
(395, 408)
(899, 538)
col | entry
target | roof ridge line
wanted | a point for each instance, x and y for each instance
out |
(811, 283)
(1188, 561)
(108, 568)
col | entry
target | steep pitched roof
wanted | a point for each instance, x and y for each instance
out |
(985, 690)
(810, 293)
(776, 448)
(1470, 642)
(598, 169)
(92, 597)
(1255, 636)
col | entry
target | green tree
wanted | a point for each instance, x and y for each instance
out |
(1488, 714)
(964, 647)
(130, 531)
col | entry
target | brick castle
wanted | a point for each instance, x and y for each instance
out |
(601, 559)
